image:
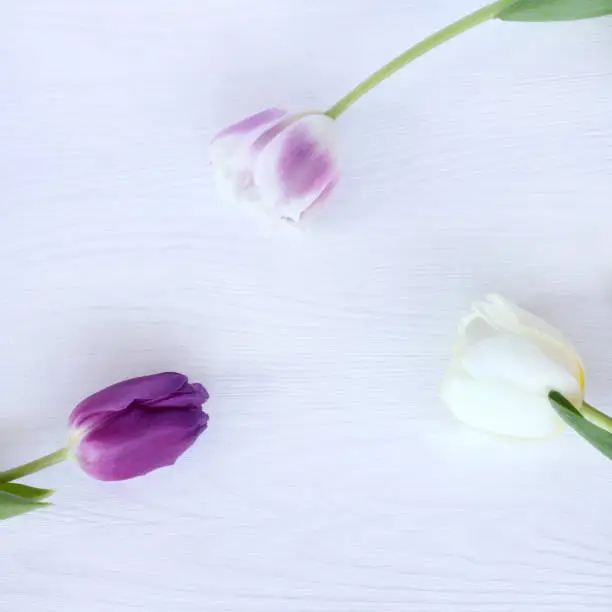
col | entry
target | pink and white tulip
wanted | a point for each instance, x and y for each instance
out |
(281, 163)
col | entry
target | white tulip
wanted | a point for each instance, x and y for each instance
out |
(506, 361)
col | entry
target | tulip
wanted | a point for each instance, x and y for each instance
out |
(137, 426)
(286, 163)
(126, 430)
(506, 363)
(280, 163)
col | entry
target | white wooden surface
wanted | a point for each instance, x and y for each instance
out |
(331, 478)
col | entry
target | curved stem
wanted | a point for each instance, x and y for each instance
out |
(466, 23)
(34, 466)
(603, 421)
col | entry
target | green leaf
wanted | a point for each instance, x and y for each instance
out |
(599, 438)
(556, 10)
(11, 505)
(26, 491)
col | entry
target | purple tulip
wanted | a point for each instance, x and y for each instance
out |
(282, 163)
(138, 425)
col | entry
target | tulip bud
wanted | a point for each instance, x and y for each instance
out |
(138, 425)
(281, 163)
(506, 362)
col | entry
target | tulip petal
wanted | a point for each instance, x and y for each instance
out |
(232, 155)
(189, 395)
(321, 199)
(516, 361)
(254, 122)
(139, 440)
(495, 313)
(119, 396)
(304, 165)
(297, 166)
(502, 314)
(500, 408)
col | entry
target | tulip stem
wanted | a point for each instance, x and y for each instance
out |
(466, 23)
(34, 466)
(591, 414)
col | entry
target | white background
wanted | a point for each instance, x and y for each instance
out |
(331, 478)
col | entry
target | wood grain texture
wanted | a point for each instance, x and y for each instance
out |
(331, 479)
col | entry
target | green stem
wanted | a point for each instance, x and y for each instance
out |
(34, 466)
(466, 23)
(603, 421)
